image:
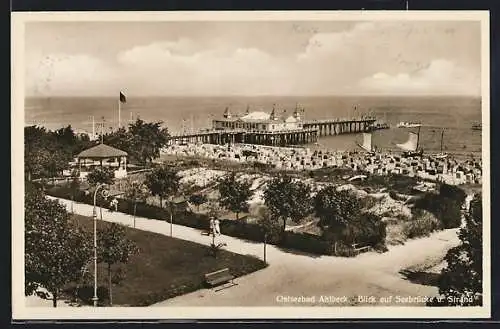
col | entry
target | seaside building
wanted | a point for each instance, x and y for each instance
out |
(104, 156)
(259, 121)
(261, 128)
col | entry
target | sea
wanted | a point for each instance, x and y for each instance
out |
(454, 115)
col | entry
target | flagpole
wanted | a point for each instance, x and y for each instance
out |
(119, 113)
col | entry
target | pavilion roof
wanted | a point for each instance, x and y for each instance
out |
(101, 151)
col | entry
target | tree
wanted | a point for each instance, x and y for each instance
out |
(100, 175)
(74, 186)
(46, 153)
(269, 227)
(213, 208)
(234, 195)
(461, 282)
(114, 247)
(287, 199)
(120, 139)
(55, 250)
(336, 208)
(148, 138)
(198, 199)
(343, 219)
(136, 191)
(162, 182)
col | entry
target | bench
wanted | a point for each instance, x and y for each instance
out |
(218, 277)
(360, 248)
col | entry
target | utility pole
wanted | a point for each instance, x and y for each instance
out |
(102, 131)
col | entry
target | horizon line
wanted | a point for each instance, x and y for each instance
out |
(256, 95)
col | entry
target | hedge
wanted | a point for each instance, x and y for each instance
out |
(299, 241)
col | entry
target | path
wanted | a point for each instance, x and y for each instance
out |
(296, 274)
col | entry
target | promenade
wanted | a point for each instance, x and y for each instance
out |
(297, 274)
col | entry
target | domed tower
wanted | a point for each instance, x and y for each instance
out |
(296, 113)
(273, 113)
(227, 113)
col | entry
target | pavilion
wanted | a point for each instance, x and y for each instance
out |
(104, 156)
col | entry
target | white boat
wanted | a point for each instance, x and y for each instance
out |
(410, 147)
(409, 124)
(367, 143)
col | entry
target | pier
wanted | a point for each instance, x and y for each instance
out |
(309, 133)
(333, 127)
(232, 136)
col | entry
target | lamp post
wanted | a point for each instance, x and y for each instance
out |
(104, 194)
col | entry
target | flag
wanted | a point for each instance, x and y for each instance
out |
(123, 99)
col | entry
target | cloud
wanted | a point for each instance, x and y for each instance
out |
(323, 45)
(66, 74)
(440, 76)
(364, 57)
(214, 70)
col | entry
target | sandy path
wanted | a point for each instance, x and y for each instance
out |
(291, 274)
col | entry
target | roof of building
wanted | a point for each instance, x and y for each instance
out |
(257, 115)
(101, 151)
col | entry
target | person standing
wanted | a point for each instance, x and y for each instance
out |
(212, 226)
(217, 227)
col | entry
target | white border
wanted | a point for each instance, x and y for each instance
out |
(21, 312)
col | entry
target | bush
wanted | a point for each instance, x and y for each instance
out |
(343, 250)
(368, 228)
(306, 242)
(446, 205)
(421, 224)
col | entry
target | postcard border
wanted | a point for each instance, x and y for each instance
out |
(21, 312)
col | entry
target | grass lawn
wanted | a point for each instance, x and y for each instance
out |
(164, 267)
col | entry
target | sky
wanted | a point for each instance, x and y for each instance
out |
(253, 58)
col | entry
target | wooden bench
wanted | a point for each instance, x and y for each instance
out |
(218, 277)
(360, 248)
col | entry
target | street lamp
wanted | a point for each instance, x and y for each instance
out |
(104, 194)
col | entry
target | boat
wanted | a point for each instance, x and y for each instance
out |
(477, 126)
(409, 124)
(410, 147)
(367, 143)
(441, 155)
(377, 125)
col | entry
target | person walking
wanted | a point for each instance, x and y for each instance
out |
(114, 204)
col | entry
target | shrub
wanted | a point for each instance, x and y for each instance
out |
(446, 205)
(367, 228)
(306, 242)
(343, 250)
(422, 223)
